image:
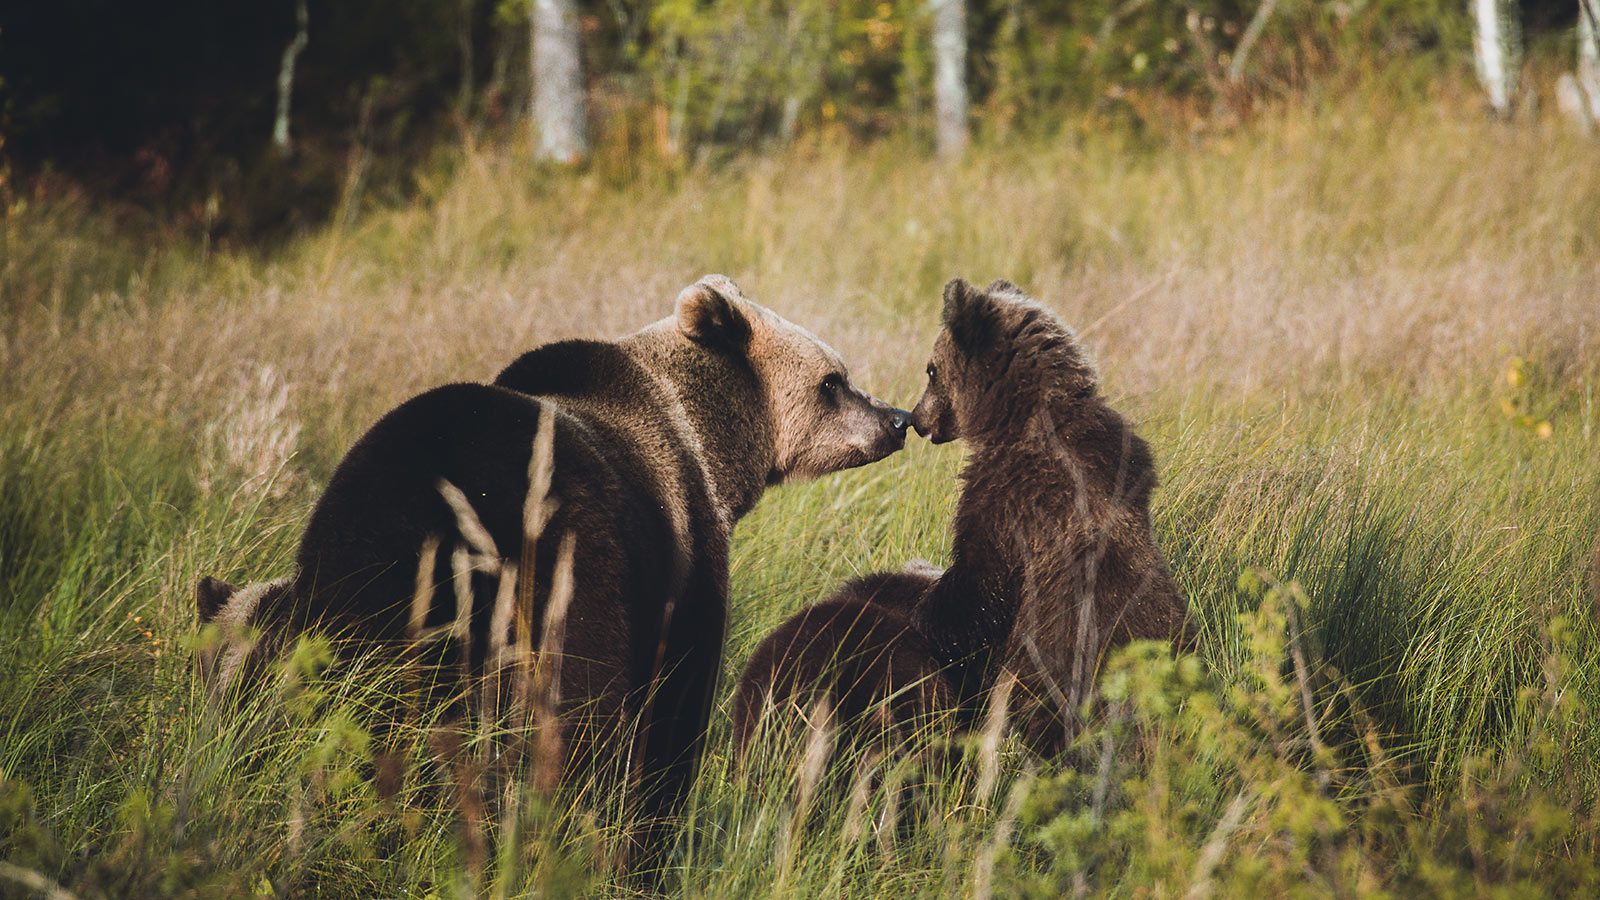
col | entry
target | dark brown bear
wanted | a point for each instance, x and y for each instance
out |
(855, 652)
(662, 440)
(1053, 559)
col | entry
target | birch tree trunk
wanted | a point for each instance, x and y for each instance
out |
(280, 122)
(950, 76)
(558, 111)
(1497, 49)
(1589, 55)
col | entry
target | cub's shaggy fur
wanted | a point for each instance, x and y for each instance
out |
(1053, 558)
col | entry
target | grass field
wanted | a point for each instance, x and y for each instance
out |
(1364, 343)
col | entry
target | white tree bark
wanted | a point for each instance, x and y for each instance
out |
(1589, 54)
(1573, 104)
(950, 76)
(1252, 33)
(1497, 49)
(559, 125)
(280, 122)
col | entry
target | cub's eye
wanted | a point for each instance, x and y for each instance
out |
(831, 384)
(931, 371)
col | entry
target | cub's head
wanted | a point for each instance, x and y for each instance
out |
(821, 422)
(999, 357)
(238, 648)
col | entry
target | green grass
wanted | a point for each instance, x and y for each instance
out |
(1362, 341)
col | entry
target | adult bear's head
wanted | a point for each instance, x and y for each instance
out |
(999, 357)
(820, 421)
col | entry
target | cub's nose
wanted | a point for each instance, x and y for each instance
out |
(899, 419)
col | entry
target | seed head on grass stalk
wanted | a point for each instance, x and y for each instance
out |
(547, 749)
(813, 763)
(448, 741)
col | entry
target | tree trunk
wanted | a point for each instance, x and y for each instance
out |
(1252, 33)
(558, 110)
(1497, 49)
(464, 45)
(280, 123)
(1589, 54)
(950, 76)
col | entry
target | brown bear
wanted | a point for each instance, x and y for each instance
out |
(1053, 561)
(662, 440)
(856, 652)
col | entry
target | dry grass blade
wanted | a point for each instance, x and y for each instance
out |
(983, 877)
(500, 621)
(461, 569)
(539, 506)
(548, 749)
(34, 881)
(467, 521)
(1201, 884)
(994, 731)
(1302, 677)
(422, 596)
(813, 763)
(860, 796)
(819, 745)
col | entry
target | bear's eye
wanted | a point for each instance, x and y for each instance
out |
(931, 371)
(832, 383)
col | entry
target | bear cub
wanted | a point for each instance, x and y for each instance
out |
(1053, 560)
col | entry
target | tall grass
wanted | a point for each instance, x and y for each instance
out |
(1361, 339)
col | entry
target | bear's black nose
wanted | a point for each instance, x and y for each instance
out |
(899, 419)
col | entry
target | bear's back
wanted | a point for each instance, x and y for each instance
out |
(359, 555)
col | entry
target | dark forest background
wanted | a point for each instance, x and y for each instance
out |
(168, 107)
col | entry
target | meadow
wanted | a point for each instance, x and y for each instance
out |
(1362, 338)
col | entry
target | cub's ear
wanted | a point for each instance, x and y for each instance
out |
(1002, 286)
(210, 596)
(708, 313)
(967, 314)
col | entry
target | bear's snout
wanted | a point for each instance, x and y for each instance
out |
(899, 419)
(926, 420)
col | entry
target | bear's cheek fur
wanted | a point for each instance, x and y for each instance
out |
(815, 439)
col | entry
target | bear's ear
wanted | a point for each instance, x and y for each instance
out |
(210, 596)
(708, 314)
(1002, 286)
(967, 315)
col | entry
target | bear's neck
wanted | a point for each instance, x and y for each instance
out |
(725, 411)
(968, 616)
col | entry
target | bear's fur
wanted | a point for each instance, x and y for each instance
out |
(662, 440)
(854, 651)
(1053, 558)
(1053, 561)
